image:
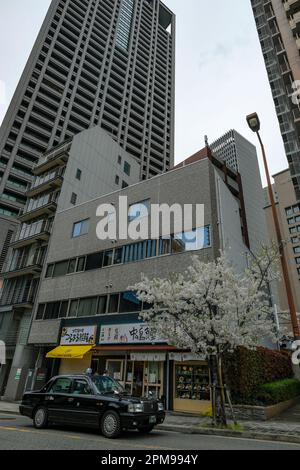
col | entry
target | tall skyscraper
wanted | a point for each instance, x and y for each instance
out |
(240, 155)
(95, 62)
(278, 25)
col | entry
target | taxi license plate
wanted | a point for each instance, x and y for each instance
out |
(152, 420)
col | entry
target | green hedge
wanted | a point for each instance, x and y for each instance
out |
(276, 392)
(245, 371)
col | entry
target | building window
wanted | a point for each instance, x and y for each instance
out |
(117, 180)
(61, 269)
(119, 160)
(73, 199)
(124, 302)
(63, 311)
(87, 307)
(292, 210)
(124, 185)
(113, 306)
(81, 228)
(73, 308)
(108, 258)
(72, 266)
(94, 261)
(129, 303)
(52, 311)
(102, 304)
(139, 210)
(164, 246)
(78, 174)
(297, 250)
(125, 24)
(80, 264)
(298, 260)
(49, 272)
(194, 240)
(40, 312)
(127, 168)
(118, 256)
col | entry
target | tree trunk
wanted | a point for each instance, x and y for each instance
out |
(218, 393)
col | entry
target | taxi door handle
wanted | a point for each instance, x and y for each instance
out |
(70, 400)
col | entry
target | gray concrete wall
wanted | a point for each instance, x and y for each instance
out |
(230, 226)
(96, 154)
(253, 191)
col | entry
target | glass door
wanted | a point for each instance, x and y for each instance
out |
(138, 379)
(153, 379)
(129, 377)
(115, 368)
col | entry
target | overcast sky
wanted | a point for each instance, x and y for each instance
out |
(220, 74)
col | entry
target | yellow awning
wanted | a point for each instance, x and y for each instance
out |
(69, 352)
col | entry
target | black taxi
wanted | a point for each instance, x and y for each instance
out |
(97, 401)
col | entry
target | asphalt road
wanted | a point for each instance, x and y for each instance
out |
(18, 433)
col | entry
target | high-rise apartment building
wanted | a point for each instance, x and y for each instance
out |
(278, 25)
(108, 63)
(289, 218)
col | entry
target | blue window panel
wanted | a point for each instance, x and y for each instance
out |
(195, 239)
(151, 248)
(77, 230)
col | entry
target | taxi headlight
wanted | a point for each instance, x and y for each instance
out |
(161, 407)
(135, 408)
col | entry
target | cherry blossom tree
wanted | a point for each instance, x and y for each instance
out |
(211, 309)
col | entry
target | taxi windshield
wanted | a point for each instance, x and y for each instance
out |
(107, 385)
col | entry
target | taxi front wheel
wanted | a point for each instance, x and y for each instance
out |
(111, 425)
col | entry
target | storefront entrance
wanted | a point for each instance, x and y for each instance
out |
(140, 376)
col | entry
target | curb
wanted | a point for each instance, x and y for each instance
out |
(227, 433)
(9, 412)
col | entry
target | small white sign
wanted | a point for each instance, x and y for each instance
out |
(151, 357)
(2, 353)
(186, 357)
(133, 333)
(78, 335)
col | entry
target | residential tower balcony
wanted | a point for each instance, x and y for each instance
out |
(45, 205)
(31, 233)
(46, 182)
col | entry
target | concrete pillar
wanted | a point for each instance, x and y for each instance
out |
(24, 359)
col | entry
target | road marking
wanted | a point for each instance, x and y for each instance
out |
(80, 438)
(143, 446)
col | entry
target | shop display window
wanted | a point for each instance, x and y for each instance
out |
(192, 382)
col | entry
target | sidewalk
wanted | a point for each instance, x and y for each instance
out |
(285, 428)
(11, 408)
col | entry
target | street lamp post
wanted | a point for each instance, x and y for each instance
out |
(254, 124)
